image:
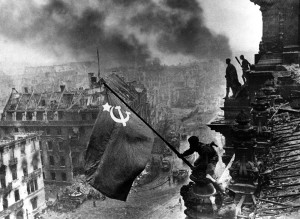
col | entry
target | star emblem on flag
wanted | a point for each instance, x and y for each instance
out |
(106, 107)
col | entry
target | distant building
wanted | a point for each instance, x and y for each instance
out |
(22, 192)
(66, 118)
(48, 78)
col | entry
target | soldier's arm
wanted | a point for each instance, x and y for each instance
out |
(188, 152)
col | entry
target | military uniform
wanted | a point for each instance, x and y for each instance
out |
(232, 80)
(208, 157)
(246, 70)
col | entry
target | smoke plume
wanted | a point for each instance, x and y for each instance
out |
(125, 31)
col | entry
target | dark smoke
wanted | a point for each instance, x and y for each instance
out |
(182, 30)
(62, 28)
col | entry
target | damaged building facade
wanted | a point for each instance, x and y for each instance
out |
(49, 78)
(66, 118)
(261, 123)
(22, 192)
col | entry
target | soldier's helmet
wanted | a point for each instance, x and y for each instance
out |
(193, 140)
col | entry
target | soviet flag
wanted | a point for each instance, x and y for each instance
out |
(119, 148)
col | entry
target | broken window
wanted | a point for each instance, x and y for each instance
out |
(32, 186)
(23, 143)
(50, 146)
(34, 203)
(94, 116)
(17, 195)
(5, 203)
(35, 165)
(63, 176)
(33, 146)
(60, 115)
(3, 181)
(53, 176)
(14, 172)
(60, 146)
(82, 130)
(58, 131)
(51, 160)
(25, 170)
(62, 161)
(43, 102)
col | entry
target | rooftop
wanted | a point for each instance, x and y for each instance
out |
(69, 100)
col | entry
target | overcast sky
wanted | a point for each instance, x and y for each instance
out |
(239, 20)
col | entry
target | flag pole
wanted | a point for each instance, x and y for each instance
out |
(149, 126)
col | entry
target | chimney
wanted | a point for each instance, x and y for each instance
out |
(62, 88)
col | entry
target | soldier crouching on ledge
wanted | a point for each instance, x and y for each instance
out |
(204, 166)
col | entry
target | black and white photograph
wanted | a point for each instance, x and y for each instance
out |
(150, 109)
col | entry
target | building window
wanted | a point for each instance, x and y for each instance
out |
(32, 186)
(82, 130)
(14, 172)
(23, 143)
(94, 115)
(3, 182)
(62, 161)
(50, 146)
(35, 184)
(47, 131)
(60, 115)
(60, 146)
(17, 195)
(34, 203)
(33, 146)
(53, 176)
(25, 171)
(7, 217)
(35, 165)
(51, 160)
(58, 131)
(5, 203)
(83, 116)
(63, 176)
(43, 175)
(43, 102)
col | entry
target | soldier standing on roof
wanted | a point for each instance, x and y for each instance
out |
(232, 80)
(246, 68)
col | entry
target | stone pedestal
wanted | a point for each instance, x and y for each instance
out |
(244, 171)
(200, 199)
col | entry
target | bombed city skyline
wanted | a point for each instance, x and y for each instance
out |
(126, 32)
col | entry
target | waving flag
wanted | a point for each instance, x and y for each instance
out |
(119, 148)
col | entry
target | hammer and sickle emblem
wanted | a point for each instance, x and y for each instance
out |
(122, 119)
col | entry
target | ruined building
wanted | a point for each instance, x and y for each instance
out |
(66, 118)
(261, 123)
(49, 78)
(22, 192)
